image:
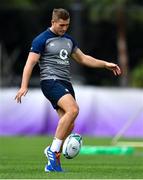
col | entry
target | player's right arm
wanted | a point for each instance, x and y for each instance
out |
(32, 59)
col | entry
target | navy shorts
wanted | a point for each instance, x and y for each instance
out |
(55, 89)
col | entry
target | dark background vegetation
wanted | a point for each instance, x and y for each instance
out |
(94, 29)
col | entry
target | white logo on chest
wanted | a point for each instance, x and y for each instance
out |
(52, 44)
(69, 45)
(63, 54)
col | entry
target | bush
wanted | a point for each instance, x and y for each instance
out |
(137, 76)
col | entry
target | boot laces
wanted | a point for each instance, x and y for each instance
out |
(58, 157)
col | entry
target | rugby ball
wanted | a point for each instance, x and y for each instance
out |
(72, 145)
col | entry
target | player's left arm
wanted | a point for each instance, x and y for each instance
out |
(92, 62)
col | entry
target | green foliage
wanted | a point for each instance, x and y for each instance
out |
(30, 4)
(17, 3)
(107, 9)
(136, 13)
(137, 76)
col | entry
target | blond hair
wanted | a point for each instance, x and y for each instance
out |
(60, 13)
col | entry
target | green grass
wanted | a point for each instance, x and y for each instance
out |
(22, 158)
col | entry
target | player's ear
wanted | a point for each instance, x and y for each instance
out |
(52, 21)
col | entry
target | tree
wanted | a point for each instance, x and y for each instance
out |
(118, 11)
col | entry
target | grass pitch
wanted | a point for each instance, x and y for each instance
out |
(23, 158)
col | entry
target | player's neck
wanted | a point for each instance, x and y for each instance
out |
(52, 29)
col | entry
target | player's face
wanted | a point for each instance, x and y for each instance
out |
(60, 26)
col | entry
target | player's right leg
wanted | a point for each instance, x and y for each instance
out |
(68, 104)
(61, 114)
(53, 160)
(64, 128)
(61, 95)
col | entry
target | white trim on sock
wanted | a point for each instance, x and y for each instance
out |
(56, 145)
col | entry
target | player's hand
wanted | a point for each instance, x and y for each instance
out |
(113, 67)
(20, 93)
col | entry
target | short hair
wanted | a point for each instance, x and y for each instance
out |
(60, 13)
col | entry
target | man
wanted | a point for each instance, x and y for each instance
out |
(53, 49)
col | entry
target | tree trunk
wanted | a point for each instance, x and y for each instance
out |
(122, 47)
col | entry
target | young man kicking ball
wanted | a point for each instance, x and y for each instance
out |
(52, 49)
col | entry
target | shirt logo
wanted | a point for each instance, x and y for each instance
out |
(63, 54)
(52, 44)
(66, 90)
(69, 45)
